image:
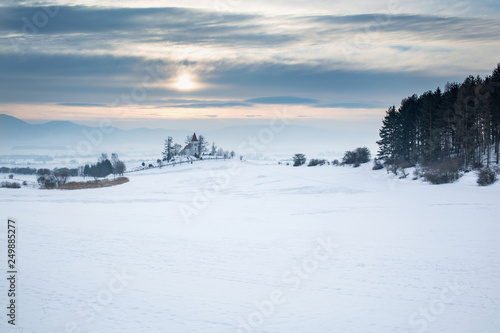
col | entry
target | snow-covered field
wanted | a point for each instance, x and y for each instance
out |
(249, 247)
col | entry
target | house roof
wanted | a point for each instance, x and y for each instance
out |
(194, 137)
(185, 148)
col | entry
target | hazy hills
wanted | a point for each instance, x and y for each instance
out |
(18, 136)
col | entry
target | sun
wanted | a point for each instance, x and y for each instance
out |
(184, 82)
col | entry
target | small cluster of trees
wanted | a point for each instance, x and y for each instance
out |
(356, 157)
(173, 149)
(104, 167)
(220, 152)
(52, 178)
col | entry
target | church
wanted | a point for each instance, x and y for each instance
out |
(191, 148)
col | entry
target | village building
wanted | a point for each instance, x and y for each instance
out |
(192, 148)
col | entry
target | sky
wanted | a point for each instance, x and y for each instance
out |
(230, 62)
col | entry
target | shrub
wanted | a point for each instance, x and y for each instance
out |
(53, 180)
(47, 181)
(443, 173)
(314, 162)
(486, 176)
(377, 165)
(11, 176)
(25, 183)
(363, 155)
(10, 185)
(349, 157)
(391, 168)
(335, 163)
(62, 175)
(395, 165)
(299, 159)
(359, 156)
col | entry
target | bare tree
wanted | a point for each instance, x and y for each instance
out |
(213, 151)
(177, 149)
(202, 145)
(120, 168)
(114, 158)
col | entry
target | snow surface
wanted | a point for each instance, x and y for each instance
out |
(267, 248)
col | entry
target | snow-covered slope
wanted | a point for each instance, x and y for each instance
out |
(247, 247)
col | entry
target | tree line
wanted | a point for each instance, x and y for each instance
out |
(460, 124)
(33, 171)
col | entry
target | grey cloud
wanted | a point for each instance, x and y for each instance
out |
(80, 19)
(282, 100)
(351, 105)
(208, 105)
(82, 104)
(448, 28)
(153, 25)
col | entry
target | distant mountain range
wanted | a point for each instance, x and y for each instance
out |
(18, 136)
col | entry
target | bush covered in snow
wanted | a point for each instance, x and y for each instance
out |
(314, 162)
(377, 165)
(10, 185)
(299, 159)
(442, 173)
(357, 156)
(486, 176)
(53, 179)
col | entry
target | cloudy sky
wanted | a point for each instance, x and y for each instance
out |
(161, 63)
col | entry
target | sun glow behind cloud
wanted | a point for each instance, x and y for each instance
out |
(185, 83)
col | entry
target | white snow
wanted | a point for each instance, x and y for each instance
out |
(267, 248)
